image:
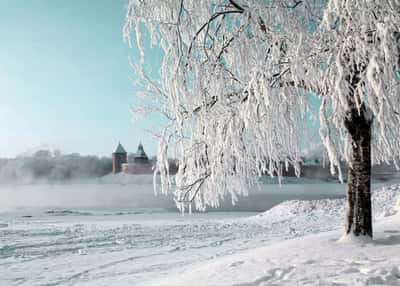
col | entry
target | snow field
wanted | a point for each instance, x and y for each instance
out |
(314, 259)
(294, 243)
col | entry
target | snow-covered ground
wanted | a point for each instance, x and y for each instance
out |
(315, 259)
(96, 245)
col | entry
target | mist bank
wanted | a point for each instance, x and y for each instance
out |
(124, 191)
(134, 197)
(52, 166)
(137, 192)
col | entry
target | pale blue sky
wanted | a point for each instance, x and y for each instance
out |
(65, 80)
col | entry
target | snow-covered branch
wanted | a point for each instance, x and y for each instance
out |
(239, 79)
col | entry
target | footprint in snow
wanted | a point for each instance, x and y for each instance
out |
(235, 264)
(359, 261)
(351, 270)
(309, 261)
(273, 276)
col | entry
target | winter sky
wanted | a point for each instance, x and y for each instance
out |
(65, 80)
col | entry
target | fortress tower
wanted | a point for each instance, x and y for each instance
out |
(139, 163)
(140, 156)
(119, 157)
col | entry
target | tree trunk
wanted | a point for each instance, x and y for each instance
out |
(359, 213)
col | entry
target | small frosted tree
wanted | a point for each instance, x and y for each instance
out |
(239, 78)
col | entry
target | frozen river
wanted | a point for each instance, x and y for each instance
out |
(95, 247)
(87, 234)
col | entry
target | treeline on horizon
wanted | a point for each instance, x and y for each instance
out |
(49, 165)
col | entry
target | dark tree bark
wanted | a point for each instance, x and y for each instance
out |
(359, 213)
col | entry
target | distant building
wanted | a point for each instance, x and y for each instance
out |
(139, 163)
(119, 157)
(141, 156)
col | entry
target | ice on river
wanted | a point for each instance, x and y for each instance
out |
(86, 247)
(108, 243)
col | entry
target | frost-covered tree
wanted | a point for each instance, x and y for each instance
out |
(239, 78)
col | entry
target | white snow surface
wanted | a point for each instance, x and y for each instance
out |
(317, 259)
(294, 243)
(314, 259)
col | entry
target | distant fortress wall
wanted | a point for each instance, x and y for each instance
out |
(132, 168)
(139, 164)
(141, 168)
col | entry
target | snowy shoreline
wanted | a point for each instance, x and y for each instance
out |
(116, 247)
